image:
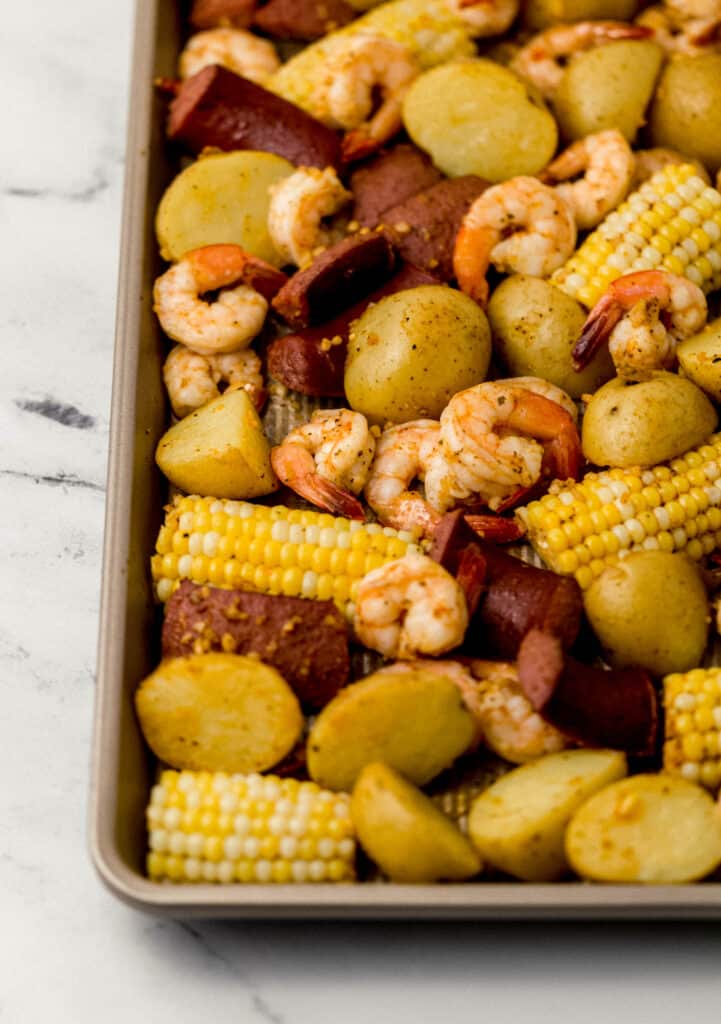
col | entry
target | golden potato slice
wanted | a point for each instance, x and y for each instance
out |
(649, 828)
(405, 834)
(218, 713)
(221, 198)
(518, 823)
(415, 722)
(220, 449)
(700, 359)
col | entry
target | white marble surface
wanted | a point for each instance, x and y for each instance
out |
(68, 951)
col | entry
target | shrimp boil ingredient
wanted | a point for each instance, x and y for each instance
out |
(193, 380)
(486, 17)
(242, 52)
(298, 206)
(606, 165)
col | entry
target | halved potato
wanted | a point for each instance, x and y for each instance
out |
(655, 829)
(222, 197)
(220, 449)
(405, 834)
(218, 713)
(415, 722)
(518, 823)
(700, 359)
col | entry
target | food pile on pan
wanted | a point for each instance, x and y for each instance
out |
(439, 560)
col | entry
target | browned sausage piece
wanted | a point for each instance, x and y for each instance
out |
(338, 278)
(313, 360)
(424, 227)
(303, 19)
(214, 13)
(306, 641)
(218, 108)
(616, 709)
(389, 179)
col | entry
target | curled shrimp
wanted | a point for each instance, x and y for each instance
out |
(298, 205)
(192, 379)
(327, 460)
(520, 226)
(500, 437)
(606, 163)
(408, 452)
(408, 607)
(238, 313)
(680, 28)
(642, 316)
(486, 17)
(242, 52)
(360, 68)
(541, 59)
(649, 161)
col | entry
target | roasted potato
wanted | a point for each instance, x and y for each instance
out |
(518, 823)
(538, 14)
(700, 359)
(635, 627)
(415, 722)
(221, 198)
(641, 423)
(608, 87)
(411, 352)
(534, 327)
(686, 111)
(649, 828)
(405, 834)
(499, 127)
(219, 449)
(218, 713)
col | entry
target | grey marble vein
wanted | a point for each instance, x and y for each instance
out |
(51, 409)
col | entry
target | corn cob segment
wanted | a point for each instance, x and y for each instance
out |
(578, 529)
(213, 827)
(274, 550)
(672, 222)
(692, 744)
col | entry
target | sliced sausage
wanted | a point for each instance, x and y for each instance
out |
(388, 180)
(214, 13)
(304, 20)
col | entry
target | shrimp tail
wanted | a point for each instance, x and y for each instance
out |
(597, 329)
(496, 528)
(327, 495)
(564, 456)
(265, 278)
(357, 145)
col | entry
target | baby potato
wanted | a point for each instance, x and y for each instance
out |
(219, 449)
(218, 713)
(540, 14)
(635, 627)
(686, 111)
(404, 832)
(641, 423)
(608, 87)
(476, 117)
(415, 722)
(535, 326)
(411, 352)
(700, 359)
(654, 829)
(518, 823)
(221, 198)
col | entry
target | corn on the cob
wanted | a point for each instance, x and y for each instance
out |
(578, 529)
(673, 222)
(213, 827)
(275, 550)
(692, 744)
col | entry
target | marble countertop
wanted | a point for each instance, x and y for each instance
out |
(68, 951)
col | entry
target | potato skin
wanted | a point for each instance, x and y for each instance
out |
(642, 423)
(654, 829)
(406, 835)
(700, 359)
(686, 111)
(411, 352)
(540, 14)
(535, 326)
(608, 87)
(500, 127)
(635, 627)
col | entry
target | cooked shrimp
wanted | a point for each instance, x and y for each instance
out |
(192, 380)
(679, 31)
(649, 161)
(541, 59)
(642, 316)
(226, 325)
(606, 162)
(298, 205)
(408, 607)
(242, 52)
(486, 17)
(327, 458)
(358, 69)
(408, 452)
(520, 226)
(499, 437)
